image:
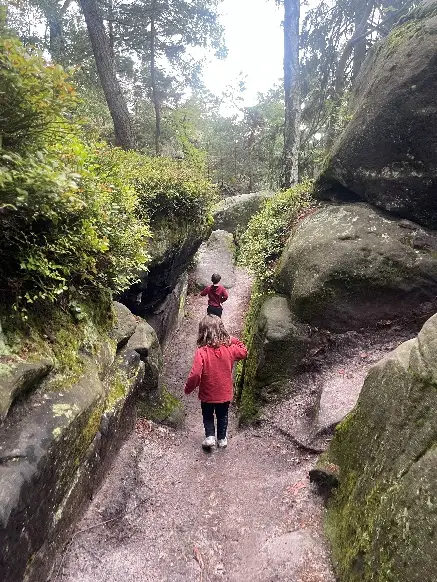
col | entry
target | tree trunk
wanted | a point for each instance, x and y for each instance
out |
(56, 42)
(124, 134)
(356, 40)
(360, 47)
(358, 36)
(54, 15)
(110, 22)
(155, 98)
(290, 162)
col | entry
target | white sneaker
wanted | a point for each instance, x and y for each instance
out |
(222, 443)
(208, 443)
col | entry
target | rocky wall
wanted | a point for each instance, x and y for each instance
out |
(58, 442)
(382, 518)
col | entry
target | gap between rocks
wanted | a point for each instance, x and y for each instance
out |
(247, 513)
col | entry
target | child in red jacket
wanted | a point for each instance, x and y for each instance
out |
(217, 295)
(212, 374)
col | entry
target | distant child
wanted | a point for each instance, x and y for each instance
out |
(217, 295)
(212, 374)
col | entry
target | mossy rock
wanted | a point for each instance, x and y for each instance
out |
(234, 213)
(348, 266)
(58, 442)
(387, 153)
(383, 518)
(163, 408)
(277, 345)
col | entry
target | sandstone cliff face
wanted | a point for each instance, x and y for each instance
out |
(57, 444)
(387, 154)
(382, 519)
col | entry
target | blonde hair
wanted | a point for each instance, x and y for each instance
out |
(212, 333)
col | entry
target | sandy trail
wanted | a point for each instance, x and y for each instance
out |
(244, 514)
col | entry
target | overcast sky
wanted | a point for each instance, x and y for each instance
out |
(254, 38)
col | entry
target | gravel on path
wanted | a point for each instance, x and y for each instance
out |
(176, 514)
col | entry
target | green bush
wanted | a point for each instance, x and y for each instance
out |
(166, 188)
(75, 217)
(262, 243)
(62, 228)
(35, 98)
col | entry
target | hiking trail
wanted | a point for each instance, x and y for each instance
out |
(167, 511)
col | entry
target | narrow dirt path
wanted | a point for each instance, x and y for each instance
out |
(244, 514)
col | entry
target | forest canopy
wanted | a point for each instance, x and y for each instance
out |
(141, 86)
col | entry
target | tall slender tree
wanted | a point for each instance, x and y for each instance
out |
(124, 134)
(290, 172)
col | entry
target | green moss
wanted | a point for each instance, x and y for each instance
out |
(117, 390)
(400, 34)
(91, 428)
(263, 241)
(160, 407)
(61, 334)
(247, 389)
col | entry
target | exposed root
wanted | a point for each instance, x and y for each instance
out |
(294, 440)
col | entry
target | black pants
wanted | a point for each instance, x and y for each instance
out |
(221, 411)
(214, 310)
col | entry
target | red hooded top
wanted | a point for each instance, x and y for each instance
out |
(212, 371)
(217, 295)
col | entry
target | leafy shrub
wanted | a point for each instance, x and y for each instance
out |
(35, 98)
(166, 188)
(62, 227)
(262, 243)
(75, 217)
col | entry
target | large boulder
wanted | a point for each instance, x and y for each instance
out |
(382, 520)
(277, 347)
(348, 267)
(233, 214)
(62, 428)
(216, 255)
(387, 154)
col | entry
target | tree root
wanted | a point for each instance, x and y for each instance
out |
(295, 441)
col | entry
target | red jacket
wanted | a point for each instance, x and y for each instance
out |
(212, 371)
(217, 295)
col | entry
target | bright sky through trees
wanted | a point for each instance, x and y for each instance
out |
(254, 38)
